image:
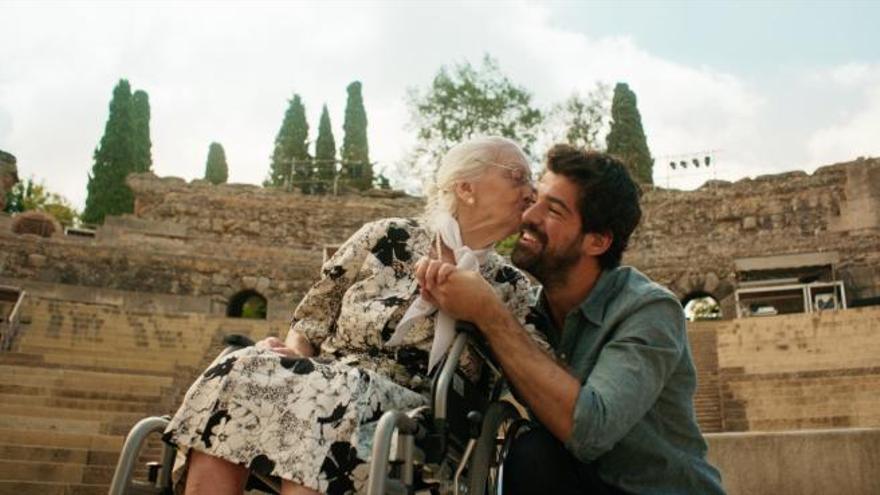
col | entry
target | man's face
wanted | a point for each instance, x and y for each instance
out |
(551, 240)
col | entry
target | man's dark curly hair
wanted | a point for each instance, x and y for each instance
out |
(609, 199)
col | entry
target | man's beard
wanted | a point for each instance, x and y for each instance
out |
(550, 268)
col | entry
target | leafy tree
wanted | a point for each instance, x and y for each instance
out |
(290, 159)
(140, 114)
(30, 195)
(216, 170)
(627, 138)
(578, 120)
(466, 101)
(325, 153)
(114, 158)
(356, 167)
(702, 308)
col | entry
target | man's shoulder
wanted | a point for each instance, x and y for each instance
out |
(636, 290)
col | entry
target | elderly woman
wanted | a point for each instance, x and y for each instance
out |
(362, 341)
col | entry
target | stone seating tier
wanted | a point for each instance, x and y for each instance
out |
(81, 374)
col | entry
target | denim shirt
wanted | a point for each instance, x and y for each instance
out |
(634, 416)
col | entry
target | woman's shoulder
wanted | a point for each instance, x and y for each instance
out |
(501, 271)
(398, 228)
(401, 223)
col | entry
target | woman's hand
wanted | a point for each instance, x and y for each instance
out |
(463, 294)
(296, 348)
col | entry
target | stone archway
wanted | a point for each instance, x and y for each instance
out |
(690, 285)
(247, 304)
(700, 306)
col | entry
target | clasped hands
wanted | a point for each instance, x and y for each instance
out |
(462, 294)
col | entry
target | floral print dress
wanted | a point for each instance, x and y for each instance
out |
(311, 420)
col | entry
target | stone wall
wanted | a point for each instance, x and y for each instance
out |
(204, 241)
(811, 462)
(795, 371)
(246, 214)
(189, 269)
(199, 239)
(690, 240)
(8, 176)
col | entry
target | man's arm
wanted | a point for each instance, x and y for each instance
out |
(547, 388)
(626, 381)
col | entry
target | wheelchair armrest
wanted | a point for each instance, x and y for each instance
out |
(467, 327)
(238, 340)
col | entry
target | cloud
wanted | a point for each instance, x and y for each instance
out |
(223, 72)
(855, 131)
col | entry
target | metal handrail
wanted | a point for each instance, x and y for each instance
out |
(13, 321)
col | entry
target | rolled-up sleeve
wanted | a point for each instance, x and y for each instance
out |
(630, 373)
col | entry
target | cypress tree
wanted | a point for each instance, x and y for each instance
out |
(140, 113)
(325, 153)
(216, 170)
(357, 169)
(626, 139)
(291, 148)
(114, 158)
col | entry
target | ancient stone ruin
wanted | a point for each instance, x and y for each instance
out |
(118, 321)
(8, 176)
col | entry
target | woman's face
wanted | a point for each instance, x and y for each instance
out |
(501, 195)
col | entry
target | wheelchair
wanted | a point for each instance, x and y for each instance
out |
(457, 448)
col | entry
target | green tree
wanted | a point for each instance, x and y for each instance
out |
(356, 167)
(216, 170)
(290, 159)
(467, 101)
(114, 158)
(627, 138)
(140, 114)
(579, 119)
(30, 195)
(325, 153)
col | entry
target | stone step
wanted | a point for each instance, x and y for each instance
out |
(48, 488)
(144, 407)
(63, 439)
(102, 361)
(84, 426)
(44, 471)
(182, 345)
(68, 413)
(54, 390)
(33, 453)
(133, 353)
(34, 375)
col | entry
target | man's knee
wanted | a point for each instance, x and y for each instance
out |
(536, 461)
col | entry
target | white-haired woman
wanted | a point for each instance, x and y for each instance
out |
(362, 341)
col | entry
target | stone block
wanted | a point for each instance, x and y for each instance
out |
(36, 260)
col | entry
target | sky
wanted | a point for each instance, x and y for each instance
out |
(767, 86)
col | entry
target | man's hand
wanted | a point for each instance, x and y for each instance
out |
(462, 294)
(546, 387)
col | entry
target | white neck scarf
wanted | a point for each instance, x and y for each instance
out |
(444, 325)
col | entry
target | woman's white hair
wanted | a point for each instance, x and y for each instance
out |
(465, 162)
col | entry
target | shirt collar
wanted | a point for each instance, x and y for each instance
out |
(593, 307)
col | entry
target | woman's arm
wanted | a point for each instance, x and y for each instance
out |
(314, 319)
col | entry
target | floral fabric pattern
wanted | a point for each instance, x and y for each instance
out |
(311, 420)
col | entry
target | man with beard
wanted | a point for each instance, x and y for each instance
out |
(614, 406)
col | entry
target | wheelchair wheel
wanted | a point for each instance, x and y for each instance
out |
(501, 423)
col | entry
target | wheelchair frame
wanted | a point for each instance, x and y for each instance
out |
(436, 453)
